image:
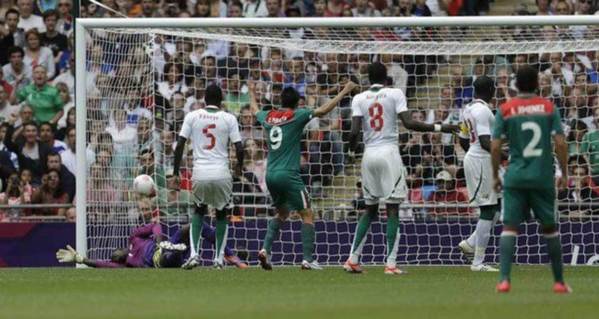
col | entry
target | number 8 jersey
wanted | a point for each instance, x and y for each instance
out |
(210, 130)
(379, 106)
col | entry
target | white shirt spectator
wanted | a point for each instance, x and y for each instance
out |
(69, 160)
(34, 21)
(433, 5)
(46, 58)
(368, 13)
(167, 91)
(62, 122)
(68, 79)
(6, 110)
(557, 83)
(11, 76)
(254, 9)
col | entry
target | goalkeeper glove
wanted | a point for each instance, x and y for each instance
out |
(68, 255)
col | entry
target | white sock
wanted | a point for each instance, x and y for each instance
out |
(483, 231)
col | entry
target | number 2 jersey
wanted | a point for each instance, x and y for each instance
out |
(210, 130)
(378, 107)
(528, 124)
(284, 130)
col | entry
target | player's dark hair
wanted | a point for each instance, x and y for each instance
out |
(377, 73)
(289, 98)
(213, 95)
(171, 259)
(119, 255)
(484, 88)
(527, 79)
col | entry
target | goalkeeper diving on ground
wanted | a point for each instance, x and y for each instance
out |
(148, 247)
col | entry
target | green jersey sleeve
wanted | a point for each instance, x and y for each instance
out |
(556, 125)
(499, 130)
(261, 116)
(304, 115)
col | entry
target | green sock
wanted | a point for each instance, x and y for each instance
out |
(308, 241)
(221, 231)
(361, 230)
(196, 230)
(554, 249)
(507, 246)
(273, 231)
(392, 231)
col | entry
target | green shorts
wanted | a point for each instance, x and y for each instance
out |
(287, 190)
(518, 202)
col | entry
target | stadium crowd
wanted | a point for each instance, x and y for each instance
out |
(136, 105)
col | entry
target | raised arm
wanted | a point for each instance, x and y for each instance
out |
(330, 105)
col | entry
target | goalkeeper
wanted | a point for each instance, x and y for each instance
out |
(147, 248)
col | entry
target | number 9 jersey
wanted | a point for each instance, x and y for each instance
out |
(383, 173)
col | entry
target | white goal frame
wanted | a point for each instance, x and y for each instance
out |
(81, 24)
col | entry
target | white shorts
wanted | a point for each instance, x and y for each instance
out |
(383, 175)
(479, 181)
(216, 193)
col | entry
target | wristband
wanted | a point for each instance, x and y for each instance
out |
(438, 127)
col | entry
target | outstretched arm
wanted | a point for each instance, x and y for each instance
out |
(424, 127)
(330, 105)
(69, 255)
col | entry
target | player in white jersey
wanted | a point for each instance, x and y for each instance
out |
(475, 138)
(375, 112)
(210, 129)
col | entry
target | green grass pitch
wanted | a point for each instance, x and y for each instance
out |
(426, 292)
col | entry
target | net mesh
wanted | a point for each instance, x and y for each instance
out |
(142, 82)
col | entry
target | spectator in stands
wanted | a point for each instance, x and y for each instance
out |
(103, 197)
(295, 76)
(447, 194)
(50, 192)
(365, 9)
(145, 136)
(202, 9)
(11, 35)
(209, 70)
(149, 8)
(25, 116)
(28, 20)
(38, 55)
(124, 141)
(43, 98)
(54, 162)
(63, 91)
(173, 81)
(580, 189)
(16, 73)
(68, 78)
(65, 20)
(255, 9)
(543, 7)
(589, 148)
(32, 154)
(235, 9)
(274, 9)
(47, 132)
(7, 110)
(172, 197)
(235, 96)
(167, 149)
(462, 86)
(560, 76)
(68, 156)
(14, 194)
(61, 133)
(8, 159)
(255, 161)
(248, 129)
(578, 106)
(52, 39)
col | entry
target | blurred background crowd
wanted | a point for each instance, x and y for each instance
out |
(139, 95)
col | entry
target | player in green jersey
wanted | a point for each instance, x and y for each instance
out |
(527, 122)
(284, 129)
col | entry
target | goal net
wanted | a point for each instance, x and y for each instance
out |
(141, 80)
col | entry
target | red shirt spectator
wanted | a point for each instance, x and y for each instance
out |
(446, 193)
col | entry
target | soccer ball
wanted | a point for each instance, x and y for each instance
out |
(144, 185)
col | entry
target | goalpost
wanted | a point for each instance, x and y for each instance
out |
(136, 78)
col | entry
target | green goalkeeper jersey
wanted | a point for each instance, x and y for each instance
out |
(284, 128)
(528, 124)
